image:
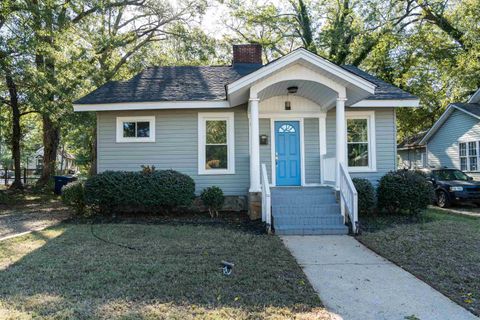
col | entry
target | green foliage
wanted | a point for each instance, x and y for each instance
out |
(366, 195)
(4, 198)
(213, 198)
(404, 191)
(112, 191)
(73, 195)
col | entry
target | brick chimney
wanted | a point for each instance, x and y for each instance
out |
(247, 53)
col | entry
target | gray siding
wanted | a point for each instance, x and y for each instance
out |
(175, 147)
(312, 150)
(411, 158)
(265, 150)
(385, 141)
(442, 148)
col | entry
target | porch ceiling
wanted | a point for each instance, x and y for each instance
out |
(314, 81)
(316, 92)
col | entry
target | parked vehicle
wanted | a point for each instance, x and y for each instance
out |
(9, 174)
(453, 186)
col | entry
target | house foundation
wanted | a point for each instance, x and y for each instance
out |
(255, 205)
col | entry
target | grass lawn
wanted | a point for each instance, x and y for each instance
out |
(169, 271)
(440, 248)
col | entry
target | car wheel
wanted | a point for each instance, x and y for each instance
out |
(443, 201)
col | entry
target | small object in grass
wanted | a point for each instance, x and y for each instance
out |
(227, 267)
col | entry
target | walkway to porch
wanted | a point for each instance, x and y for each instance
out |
(306, 211)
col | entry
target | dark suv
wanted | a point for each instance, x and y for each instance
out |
(453, 186)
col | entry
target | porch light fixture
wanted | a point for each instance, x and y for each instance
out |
(288, 106)
(263, 139)
(292, 90)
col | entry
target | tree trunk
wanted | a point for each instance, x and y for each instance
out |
(51, 140)
(93, 152)
(16, 132)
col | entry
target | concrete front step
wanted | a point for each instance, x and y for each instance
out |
(303, 200)
(301, 230)
(306, 210)
(313, 221)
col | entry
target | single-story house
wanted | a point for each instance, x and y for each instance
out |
(453, 141)
(65, 161)
(300, 122)
(412, 154)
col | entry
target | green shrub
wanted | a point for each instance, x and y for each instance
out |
(159, 190)
(4, 198)
(366, 195)
(213, 198)
(404, 191)
(73, 195)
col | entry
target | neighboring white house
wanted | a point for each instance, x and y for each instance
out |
(411, 154)
(65, 161)
(453, 141)
(300, 121)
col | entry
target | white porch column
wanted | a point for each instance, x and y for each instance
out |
(254, 146)
(341, 136)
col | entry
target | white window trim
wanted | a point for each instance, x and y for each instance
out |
(121, 120)
(372, 149)
(467, 156)
(202, 119)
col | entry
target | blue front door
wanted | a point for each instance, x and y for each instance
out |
(287, 153)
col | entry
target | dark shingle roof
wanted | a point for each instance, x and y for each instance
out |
(412, 141)
(194, 83)
(473, 108)
(182, 83)
(384, 90)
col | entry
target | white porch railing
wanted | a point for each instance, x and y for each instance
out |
(348, 197)
(266, 199)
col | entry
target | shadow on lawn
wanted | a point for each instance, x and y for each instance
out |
(178, 265)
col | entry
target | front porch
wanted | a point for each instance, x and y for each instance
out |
(288, 109)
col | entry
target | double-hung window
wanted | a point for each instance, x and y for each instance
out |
(361, 141)
(216, 151)
(136, 129)
(468, 152)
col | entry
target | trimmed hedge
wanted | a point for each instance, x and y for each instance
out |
(404, 191)
(213, 198)
(366, 195)
(73, 195)
(159, 190)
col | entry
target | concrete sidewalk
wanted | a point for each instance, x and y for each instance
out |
(355, 283)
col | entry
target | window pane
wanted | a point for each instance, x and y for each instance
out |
(358, 155)
(129, 129)
(463, 149)
(216, 157)
(143, 129)
(357, 130)
(473, 163)
(472, 148)
(216, 131)
(463, 164)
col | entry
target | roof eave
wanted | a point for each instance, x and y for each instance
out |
(412, 103)
(152, 105)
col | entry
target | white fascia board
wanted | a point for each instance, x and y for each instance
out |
(475, 98)
(156, 105)
(469, 113)
(309, 57)
(388, 103)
